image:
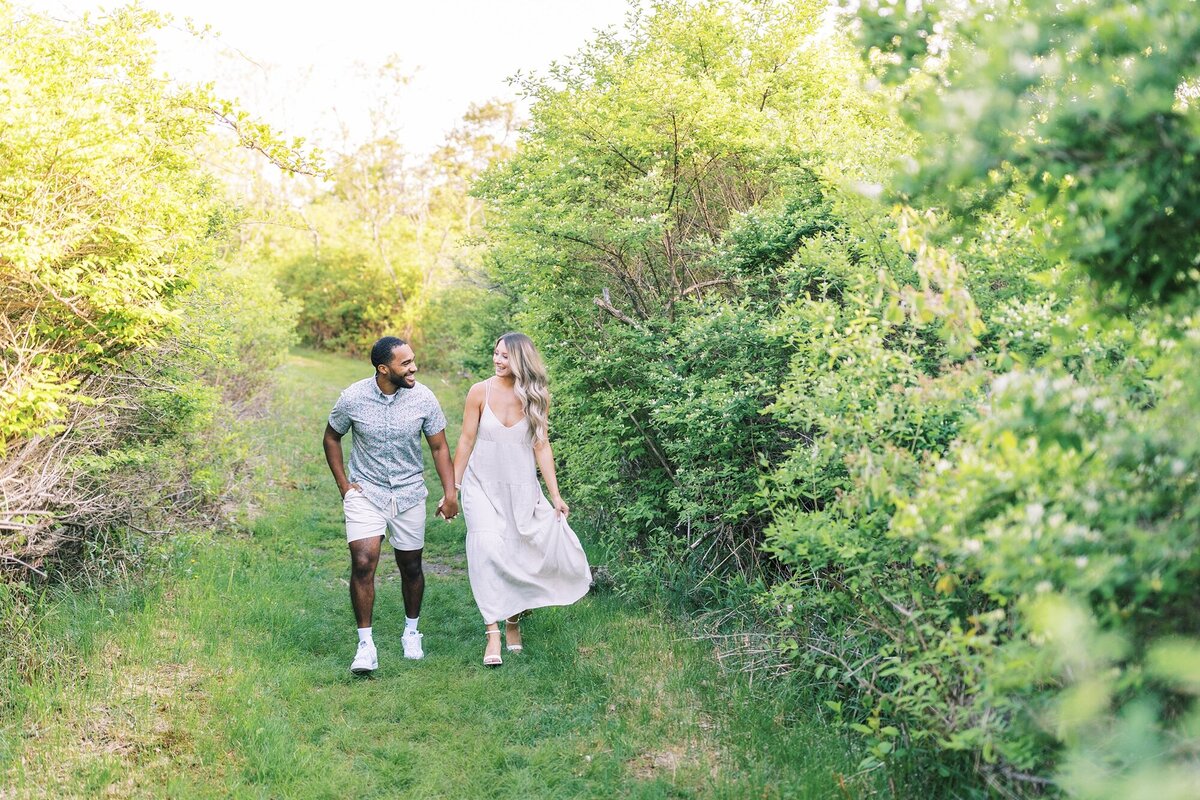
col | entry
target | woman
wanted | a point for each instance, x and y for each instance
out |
(521, 554)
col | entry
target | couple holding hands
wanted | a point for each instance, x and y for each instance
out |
(521, 554)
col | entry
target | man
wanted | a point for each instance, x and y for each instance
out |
(385, 491)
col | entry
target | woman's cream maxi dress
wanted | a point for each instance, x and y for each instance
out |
(521, 554)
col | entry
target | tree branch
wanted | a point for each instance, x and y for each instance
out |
(696, 287)
(603, 303)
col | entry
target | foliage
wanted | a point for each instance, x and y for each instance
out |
(103, 206)
(1078, 105)
(942, 454)
(385, 246)
(669, 194)
(109, 230)
(235, 327)
(346, 302)
(1017, 589)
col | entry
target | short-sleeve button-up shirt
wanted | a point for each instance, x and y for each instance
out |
(385, 453)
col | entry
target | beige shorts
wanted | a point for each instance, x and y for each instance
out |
(364, 519)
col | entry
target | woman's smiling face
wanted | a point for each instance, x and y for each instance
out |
(500, 360)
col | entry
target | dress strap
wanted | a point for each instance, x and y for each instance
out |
(487, 390)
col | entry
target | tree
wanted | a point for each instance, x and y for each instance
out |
(1081, 107)
(107, 219)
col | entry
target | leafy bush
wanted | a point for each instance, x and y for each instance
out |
(963, 473)
(669, 196)
(1019, 596)
(1081, 105)
(345, 301)
(113, 316)
(236, 327)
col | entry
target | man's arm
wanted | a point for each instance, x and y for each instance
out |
(332, 442)
(440, 448)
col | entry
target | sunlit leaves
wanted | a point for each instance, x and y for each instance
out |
(106, 216)
(1077, 105)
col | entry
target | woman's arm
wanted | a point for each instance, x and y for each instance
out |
(545, 462)
(470, 429)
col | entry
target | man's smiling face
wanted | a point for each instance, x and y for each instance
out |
(401, 371)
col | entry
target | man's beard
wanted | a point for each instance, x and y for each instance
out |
(401, 383)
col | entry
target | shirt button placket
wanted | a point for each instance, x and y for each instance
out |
(388, 414)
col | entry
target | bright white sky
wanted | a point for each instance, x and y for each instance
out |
(305, 66)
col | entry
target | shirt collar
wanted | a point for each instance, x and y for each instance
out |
(387, 398)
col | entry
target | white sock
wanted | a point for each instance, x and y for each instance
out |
(410, 624)
(364, 635)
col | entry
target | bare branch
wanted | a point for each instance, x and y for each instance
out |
(616, 312)
(24, 564)
(703, 285)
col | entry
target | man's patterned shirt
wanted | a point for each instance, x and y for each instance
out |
(385, 455)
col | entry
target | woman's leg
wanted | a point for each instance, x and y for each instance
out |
(491, 650)
(512, 633)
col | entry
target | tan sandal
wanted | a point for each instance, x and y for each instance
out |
(492, 661)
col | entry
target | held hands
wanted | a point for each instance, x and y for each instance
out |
(447, 508)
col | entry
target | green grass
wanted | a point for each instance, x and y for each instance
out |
(225, 675)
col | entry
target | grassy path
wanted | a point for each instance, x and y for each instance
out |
(227, 676)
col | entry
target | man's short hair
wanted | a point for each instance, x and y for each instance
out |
(381, 351)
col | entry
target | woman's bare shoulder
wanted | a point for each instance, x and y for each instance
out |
(476, 391)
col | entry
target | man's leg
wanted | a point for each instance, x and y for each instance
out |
(412, 584)
(408, 541)
(364, 558)
(412, 580)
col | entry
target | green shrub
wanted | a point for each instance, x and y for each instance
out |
(459, 325)
(236, 328)
(670, 195)
(1022, 595)
(962, 445)
(345, 301)
(1081, 106)
(109, 326)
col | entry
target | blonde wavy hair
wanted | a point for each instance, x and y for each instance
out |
(531, 383)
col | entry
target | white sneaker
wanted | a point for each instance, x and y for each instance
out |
(365, 659)
(412, 644)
